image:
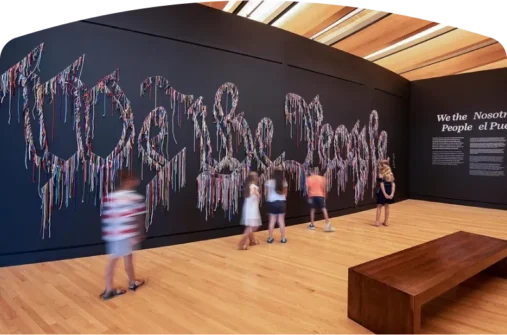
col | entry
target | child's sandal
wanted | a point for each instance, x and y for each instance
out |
(135, 285)
(254, 242)
(111, 294)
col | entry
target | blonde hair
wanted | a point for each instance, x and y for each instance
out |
(387, 174)
(383, 169)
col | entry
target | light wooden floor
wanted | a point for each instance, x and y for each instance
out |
(209, 287)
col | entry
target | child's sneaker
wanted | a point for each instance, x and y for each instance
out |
(328, 228)
(311, 226)
(284, 240)
(270, 240)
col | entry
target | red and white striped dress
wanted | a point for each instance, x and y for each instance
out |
(119, 215)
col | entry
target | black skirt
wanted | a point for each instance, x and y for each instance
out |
(381, 200)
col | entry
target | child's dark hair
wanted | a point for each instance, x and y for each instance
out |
(126, 175)
(279, 181)
(316, 171)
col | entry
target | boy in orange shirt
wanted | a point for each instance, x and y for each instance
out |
(316, 186)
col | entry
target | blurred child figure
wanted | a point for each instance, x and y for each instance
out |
(251, 218)
(276, 189)
(382, 164)
(122, 227)
(316, 185)
(385, 194)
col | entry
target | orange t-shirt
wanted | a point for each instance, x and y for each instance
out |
(316, 186)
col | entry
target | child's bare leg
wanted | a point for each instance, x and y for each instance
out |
(129, 268)
(110, 292)
(328, 224)
(385, 223)
(253, 240)
(242, 243)
(377, 219)
(281, 224)
(272, 223)
(326, 216)
(111, 264)
(254, 229)
(312, 218)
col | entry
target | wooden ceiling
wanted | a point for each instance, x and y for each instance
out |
(414, 48)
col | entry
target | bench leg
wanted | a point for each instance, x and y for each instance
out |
(499, 269)
(381, 309)
(416, 323)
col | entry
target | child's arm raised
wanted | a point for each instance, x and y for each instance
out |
(285, 188)
(255, 191)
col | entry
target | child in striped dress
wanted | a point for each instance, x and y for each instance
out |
(122, 221)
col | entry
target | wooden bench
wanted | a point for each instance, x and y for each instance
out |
(386, 295)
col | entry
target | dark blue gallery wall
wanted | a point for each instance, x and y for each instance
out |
(465, 94)
(197, 59)
(209, 27)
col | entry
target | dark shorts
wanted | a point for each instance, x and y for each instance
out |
(317, 202)
(276, 207)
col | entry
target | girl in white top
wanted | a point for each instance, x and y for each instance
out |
(276, 189)
(251, 218)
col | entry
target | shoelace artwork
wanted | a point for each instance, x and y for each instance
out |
(342, 153)
(351, 149)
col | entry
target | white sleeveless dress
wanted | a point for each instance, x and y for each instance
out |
(251, 214)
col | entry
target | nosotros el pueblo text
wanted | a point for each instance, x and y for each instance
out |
(488, 124)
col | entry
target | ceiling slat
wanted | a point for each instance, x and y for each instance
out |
(304, 17)
(457, 52)
(332, 19)
(491, 66)
(249, 7)
(479, 57)
(278, 11)
(382, 34)
(411, 47)
(427, 52)
(416, 39)
(348, 27)
(215, 4)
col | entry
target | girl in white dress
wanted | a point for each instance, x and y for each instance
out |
(251, 218)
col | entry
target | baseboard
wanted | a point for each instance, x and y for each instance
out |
(159, 241)
(459, 202)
